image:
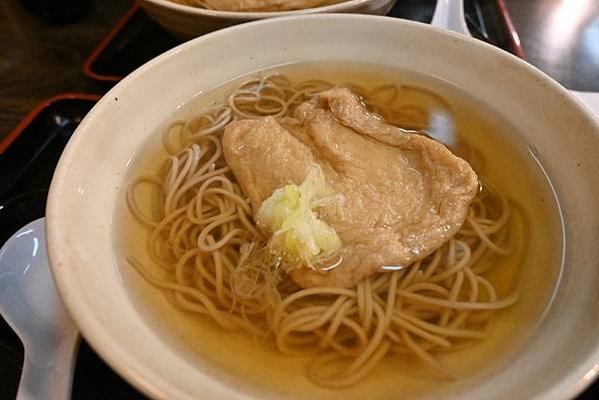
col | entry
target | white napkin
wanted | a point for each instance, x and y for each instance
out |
(591, 99)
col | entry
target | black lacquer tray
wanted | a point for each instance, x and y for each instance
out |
(136, 39)
(28, 159)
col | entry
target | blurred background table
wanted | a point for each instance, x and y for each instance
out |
(40, 58)
(561, 37)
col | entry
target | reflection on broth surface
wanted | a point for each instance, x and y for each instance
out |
(457, 312)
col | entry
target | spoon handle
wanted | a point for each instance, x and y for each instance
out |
(48, 372)
(449, 14)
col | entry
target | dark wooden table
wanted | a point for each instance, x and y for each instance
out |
(561, 37)
(39, 59)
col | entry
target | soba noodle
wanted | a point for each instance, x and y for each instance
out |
(204, 238)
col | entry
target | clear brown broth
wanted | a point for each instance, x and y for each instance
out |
(255, 366)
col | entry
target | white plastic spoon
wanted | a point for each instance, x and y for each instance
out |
(32, 307)
(449, 14)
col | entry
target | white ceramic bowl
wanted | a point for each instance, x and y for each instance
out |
(560, 359)
(188, 22)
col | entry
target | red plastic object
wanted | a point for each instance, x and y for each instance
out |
(87, 65)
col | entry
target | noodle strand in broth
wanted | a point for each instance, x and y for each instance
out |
(212, 257)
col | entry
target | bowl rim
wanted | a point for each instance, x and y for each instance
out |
(92, 329)
(244, 15)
